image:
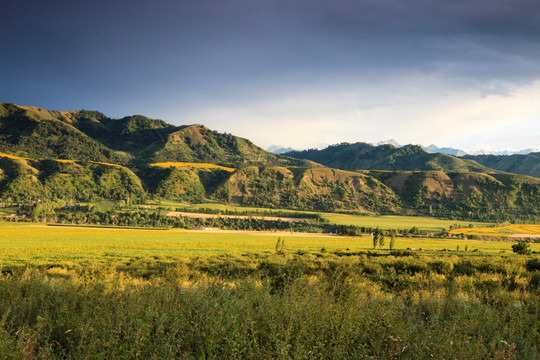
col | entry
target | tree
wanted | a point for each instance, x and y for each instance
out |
(381, 239)
(522, 248)
(376, 238)
(280, 246)
(392, 238)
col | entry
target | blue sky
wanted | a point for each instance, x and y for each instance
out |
(298, 73)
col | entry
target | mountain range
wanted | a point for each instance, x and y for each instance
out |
(70, 156)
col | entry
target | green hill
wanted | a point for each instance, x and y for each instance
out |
(89, 135)
(42, 134)
(308, 188)
(362, 156)
(86, 156)
(28, 181)
(528, 164)
(466, 195)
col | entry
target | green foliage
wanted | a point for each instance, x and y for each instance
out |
(262, 179)
(386, 157)
(521, 248)
(267, 306)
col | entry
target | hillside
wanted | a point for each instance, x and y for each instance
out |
(136, 140)
(37, 133)
(85, 156)
(528, 164)
(362, 156)
(308, 188)
(466, 195)
(28, 181)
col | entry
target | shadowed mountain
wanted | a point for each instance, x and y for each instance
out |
(362, 156)
(528, 164)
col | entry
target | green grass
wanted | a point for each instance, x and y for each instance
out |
(383, 221)
(22, 243)
(398, 222)
(8, 211)
(310, 306)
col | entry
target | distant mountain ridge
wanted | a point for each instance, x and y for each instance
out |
(445, 150)
(526, 164)
(279, 149)
(362, 156)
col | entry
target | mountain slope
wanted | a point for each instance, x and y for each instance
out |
(29, 181)
(38, 133)
(90, 135)
(467, 195)
(307, 188)
(387, 157)
(528, 164)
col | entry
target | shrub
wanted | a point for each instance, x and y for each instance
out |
(522, 248)
(533, 264)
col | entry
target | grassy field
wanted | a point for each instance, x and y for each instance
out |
(383, 221)
(397, 222)
(70, 293)
(34, 244)
(508, 230)
(180, 165)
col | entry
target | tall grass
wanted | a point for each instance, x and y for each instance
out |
(312, 306)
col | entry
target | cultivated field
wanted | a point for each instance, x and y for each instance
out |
(22, 243)
(81, 292)
(512, 231)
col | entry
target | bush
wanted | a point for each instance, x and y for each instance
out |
(522, 248)
(532, 265)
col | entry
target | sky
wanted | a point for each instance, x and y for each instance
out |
(293, 73)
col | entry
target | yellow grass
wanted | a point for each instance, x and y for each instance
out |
(509, 230)
(14, 157)
(23, 243)
(65, 161)
(192, 165)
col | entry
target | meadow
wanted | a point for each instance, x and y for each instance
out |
(26, 243)
(514, 230)
(91, 293)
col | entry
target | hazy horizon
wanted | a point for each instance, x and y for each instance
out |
(300, 74)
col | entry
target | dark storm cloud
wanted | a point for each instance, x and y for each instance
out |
(101, 48)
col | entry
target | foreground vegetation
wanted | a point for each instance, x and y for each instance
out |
(309, 305)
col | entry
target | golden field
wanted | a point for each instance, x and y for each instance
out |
(192, 165)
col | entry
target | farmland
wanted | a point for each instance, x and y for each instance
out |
(516, 231)
(174, 293)
(72, 292)
(37, 244)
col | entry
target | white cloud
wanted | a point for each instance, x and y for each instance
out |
(417, 108)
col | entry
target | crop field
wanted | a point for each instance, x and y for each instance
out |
(192, 165)
(529, 230)
(82, 292)
(35, 244)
